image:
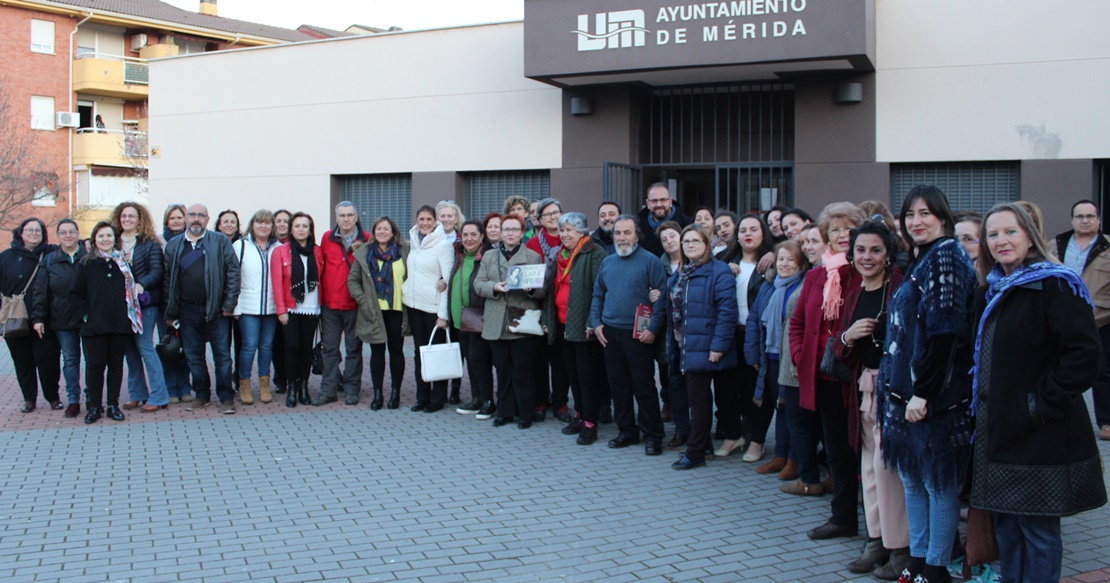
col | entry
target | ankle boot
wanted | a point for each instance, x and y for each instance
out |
(292, 386)
(302, 393)
(790, 472)
(394, 398)
(245, 396)
(873, 554)
(890, 571)
(454, 398)
(264, 393)
(376, 404)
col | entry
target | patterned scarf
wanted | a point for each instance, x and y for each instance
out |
(772, 316)
(383, 276)
(572, 255)
(832, 296)
(303, 283)
(678, 288)
(134, 310)
(1001, 283)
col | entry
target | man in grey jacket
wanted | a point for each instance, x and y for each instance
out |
(202, 289)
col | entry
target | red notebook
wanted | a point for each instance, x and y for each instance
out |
(642, 321)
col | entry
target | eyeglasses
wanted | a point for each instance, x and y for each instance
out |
(27, 231)
(694, 242)
(550, 214)
(1085, 217)
(511, 230)
(196, 215)
(69, 233)
(657, 200)
(968, 239)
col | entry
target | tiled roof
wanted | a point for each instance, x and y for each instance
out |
(155, 10)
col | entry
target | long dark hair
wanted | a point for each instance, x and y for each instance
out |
(311, 229)
(732, 247)
(92, 239)
(768, 240)
(937, 203)
(238, 224)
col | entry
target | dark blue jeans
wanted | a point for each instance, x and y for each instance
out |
(70, 341)
(782, 424)
(680, 400)
(196, 331)
(1029, 547)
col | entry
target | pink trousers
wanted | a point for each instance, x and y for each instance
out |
(884, 502)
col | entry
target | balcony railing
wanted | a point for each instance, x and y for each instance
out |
(104, 147)
(111, 75)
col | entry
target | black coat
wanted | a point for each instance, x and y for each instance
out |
(651, 242)
(1036, 452)
(149, 269)
(50, 301)
(17, 264)
(100, 295)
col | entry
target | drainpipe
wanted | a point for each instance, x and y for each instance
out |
(69, 153)
(234, 42)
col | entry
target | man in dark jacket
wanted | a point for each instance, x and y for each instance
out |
(202, 289)
(49, 307)
(659, 208)
(338, 310)
(607, 214)
(1087, 252)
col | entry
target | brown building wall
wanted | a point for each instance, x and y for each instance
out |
(609, 134)
(24, 74)
(1055, 185)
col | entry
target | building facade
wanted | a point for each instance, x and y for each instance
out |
(741, 104)
(76, 77)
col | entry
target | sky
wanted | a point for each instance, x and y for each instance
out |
(339, 14)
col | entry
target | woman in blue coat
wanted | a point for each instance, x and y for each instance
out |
(704, 314)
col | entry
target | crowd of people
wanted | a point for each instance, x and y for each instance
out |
(927, 361)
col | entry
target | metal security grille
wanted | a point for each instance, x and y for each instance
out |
(624, 185)
(377, 195)
(720, 124)
(970, 186)
(485, 192)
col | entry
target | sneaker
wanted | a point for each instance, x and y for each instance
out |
(469, 408)
(195, 405)
(175, 400)
(187, 398)
(563, 414)
(487, 411)
(587, 436)
(573, 428)
(1104, 433)
(227, 408)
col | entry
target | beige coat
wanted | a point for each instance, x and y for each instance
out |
(494, 269)
(369, 324)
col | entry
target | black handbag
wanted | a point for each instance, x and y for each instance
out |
(318, 355)
(833, 367)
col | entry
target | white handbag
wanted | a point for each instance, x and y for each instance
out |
(441, 362)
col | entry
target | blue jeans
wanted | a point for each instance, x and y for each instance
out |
(177, 374)
(258, 336)
(196, 330)
(141, 353)
(934, 513)
(1029, 547)
(71, 363)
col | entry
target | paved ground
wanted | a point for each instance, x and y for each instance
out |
(341, 493)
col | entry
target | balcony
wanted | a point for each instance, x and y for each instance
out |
(101, 147)
(110, 76)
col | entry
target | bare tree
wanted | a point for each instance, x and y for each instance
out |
(25, 174)
(135, 151)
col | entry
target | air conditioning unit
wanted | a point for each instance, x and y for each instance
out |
(68, 119)
(138, 41)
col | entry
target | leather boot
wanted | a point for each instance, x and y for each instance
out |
(376, 404)
(245, 396)
(873, 554)
(292, 386)
(892, 569)
(394, 398)
(302, 393)
(772, 467)
(264, 393)
(790, 472)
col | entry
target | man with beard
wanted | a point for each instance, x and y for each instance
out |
(659, 208)
(607, 215)
(202, 290)
(623, 284)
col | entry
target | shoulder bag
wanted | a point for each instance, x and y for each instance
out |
(14, 322)
(440, 362)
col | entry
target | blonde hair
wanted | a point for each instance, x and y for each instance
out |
(839, 210)
(1037, 253)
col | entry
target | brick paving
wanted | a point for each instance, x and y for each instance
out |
(340, 493)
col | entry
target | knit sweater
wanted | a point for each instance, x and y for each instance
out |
(624, 283)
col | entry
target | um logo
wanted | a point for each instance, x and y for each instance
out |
(612, 30)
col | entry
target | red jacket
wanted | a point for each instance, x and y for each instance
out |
(282, 276)
(809, 332)
(336, 267)
(534, 242)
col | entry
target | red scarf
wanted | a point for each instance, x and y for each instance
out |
(563, 264)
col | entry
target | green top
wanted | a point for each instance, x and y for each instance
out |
(460, 291)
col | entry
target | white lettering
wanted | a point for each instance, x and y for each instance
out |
(674, 13)
(739, 8)
(699, 11)
(780, 28)
(759, 7)
(662, 16)
(799, 28)
(730, 31)
(680, 36)
(709, 34)
(662, 37)
(749, 30)
(797, 5)
(764, 27)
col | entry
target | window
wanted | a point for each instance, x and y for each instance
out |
(45, 191)
(485, 192)
(970, 186)
(377, 195)
(42, 113)
(42, 36)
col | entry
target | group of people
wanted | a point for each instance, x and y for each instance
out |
(916, 358)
